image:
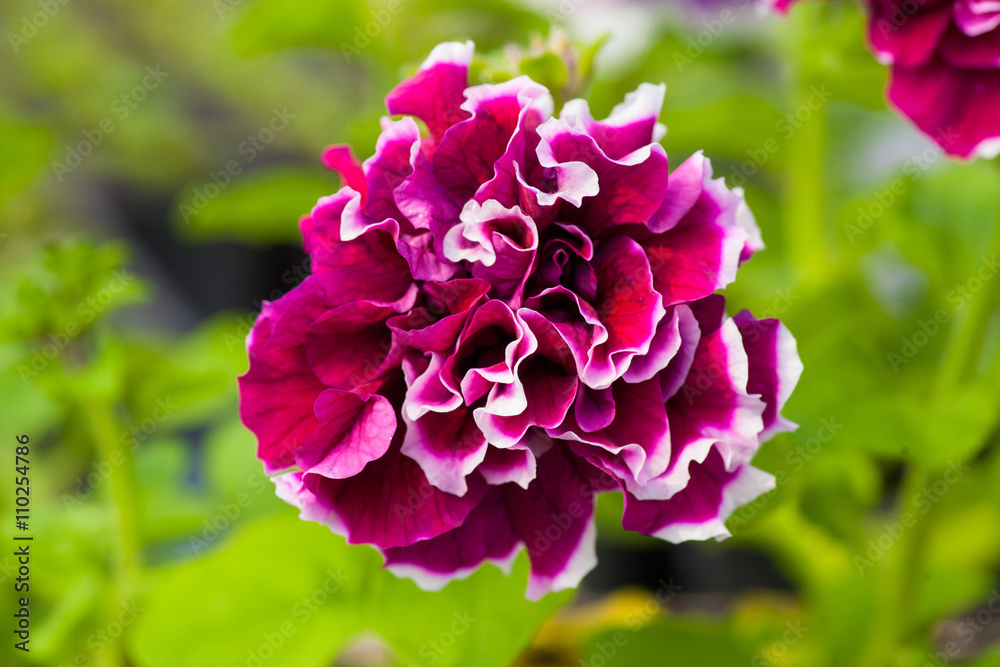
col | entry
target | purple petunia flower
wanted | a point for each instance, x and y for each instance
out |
(508, 314)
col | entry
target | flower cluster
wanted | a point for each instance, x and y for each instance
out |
(509, 313)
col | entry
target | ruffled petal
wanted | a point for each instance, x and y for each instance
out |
(713, 405)
(632, 124)
(555, 519)
(959, 109)
(628, 307)
(499, 242)
(700, 510)
(350, 347)
(977, 17)
(341, 160)
(435, 93)
(352, 432)
(390, 503)
(465, 158)
(701, 252)
(486, 535)
(774, 368)
(447, 445)
(905, 38)
(636, 443)
(278, 391)
(368, 267)
(630, 188)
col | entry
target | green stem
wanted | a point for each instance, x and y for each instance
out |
(106, 432)
(914, 547)
(899, 577)
(958, 365)
(804, 129)
(804, 204)
(969, 333)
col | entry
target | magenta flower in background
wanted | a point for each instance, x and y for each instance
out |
(509, 313)
(945, 58)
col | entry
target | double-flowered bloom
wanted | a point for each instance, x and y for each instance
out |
(508, 314)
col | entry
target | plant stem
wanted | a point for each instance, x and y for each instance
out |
(958, 365)
(804, 203)
(106, 432)
(914, 546)
(804, 129)
(966, 344)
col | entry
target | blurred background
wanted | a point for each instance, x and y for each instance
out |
(155, 156)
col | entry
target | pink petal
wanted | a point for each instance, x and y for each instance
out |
(700, 510)
(434, 93)
(959, 109)
(391, 503)
(352, 432)
(447, 445)
(774, 367)
(631, 125)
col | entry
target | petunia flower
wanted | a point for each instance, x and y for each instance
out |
(509, 313)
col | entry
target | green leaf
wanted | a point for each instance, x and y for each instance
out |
(686, 642)
(282, 577)
(280, 587)
(486, 616)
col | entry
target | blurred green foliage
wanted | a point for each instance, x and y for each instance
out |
(160, 541)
